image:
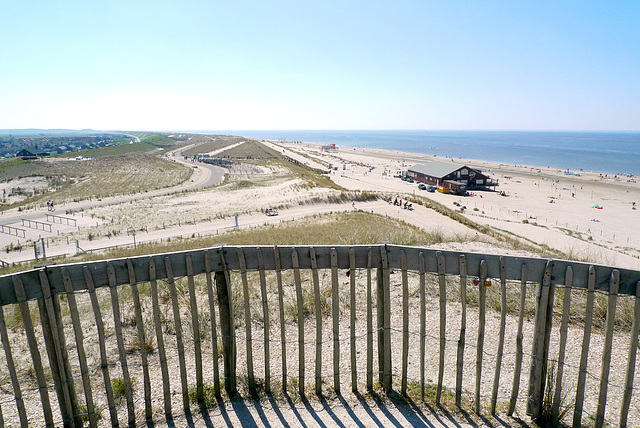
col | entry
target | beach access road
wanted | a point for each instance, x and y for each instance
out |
(420, 217)
(291, 152)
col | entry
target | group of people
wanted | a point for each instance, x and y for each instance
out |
(50, 206)
(398, 202)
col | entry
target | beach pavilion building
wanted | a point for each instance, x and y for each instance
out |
(451, 175)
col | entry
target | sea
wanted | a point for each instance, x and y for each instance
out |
(612, 153)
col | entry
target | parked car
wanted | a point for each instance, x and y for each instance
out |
(409, 180)
(422, 186)
(431, 189)
(271, 212)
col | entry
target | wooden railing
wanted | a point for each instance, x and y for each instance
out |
(115, 309)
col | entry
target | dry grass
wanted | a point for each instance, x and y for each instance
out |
(345, 228)
(71, 180)
(212, 143)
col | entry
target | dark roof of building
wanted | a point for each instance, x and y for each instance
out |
(24, 152)
(437, 168)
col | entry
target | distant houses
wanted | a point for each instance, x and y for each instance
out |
(450, 175)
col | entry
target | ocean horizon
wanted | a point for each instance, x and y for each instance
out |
(605, 152)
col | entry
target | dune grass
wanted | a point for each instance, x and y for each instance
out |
(101, 177)
(345, 228)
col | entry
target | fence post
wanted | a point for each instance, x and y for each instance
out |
(227, 327)
(384, 320)
(540, 347)
(380, 320)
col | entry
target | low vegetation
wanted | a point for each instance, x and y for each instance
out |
(71, 180)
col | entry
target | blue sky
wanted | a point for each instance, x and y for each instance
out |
(207, 65)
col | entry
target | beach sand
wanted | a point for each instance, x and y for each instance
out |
(544, 206)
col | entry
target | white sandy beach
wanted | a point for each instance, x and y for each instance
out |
(569, 224)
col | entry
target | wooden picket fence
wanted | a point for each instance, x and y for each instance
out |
(380, 282)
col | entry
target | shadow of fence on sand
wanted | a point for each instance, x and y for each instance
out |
(370, 410)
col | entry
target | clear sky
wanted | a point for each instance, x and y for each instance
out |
(207, 65)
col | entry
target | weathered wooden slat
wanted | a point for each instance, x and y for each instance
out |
(380, 321)
(564, 326)
(77, 328)
(335, 315)
(631, 360)
(423, 327)
(606, 353)
(300, 304)
(266, 321)
(58, 367)
(537, 376)
(386, 304)
(352, 312)
(283, 331)
(73, 397)
(318, 312)
(47, 333)
(33, 348)
(369, 326)
(104, 362)
(117, 321)
(214, 327)
(17, 392)
(247, 322)
(195, 323)
(142, 341)
(503, 321)
(462, 261)
(227, 325)
(482, 302)
(442, 294)
(405, 323)
(166, 381)
(178, 328)
(584, 356)
(515, 388)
